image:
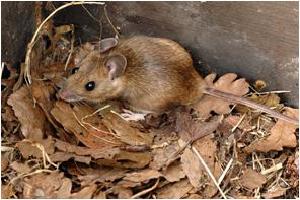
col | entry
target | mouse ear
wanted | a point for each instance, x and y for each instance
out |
(107, 44)
(116, 65)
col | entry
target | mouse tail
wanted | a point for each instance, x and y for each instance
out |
(246, 102)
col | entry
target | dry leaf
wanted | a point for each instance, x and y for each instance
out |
(43, 94)
(234, 120)
(195, 171)
(19, 167)
(174, 190)
(251, 179)
(85, 193)
(137, 178)
(282, 135)
(192, 167)
(127, 134)
(190, 130)
(7, 191)
(123, 193)
(274, 192)
(226, 83)
(165, 148)
(174, 172)
(101, 174)
(28, 148)
(127, 160)
(4, 160)
(64, 156)
(142, 175)
(164, 155)
(64, 192)
(259, 85)
(42, 185)
(67, 147)
(108, 157)
(32, 118)
(72, 121)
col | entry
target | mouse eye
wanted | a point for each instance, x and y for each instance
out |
(90, 86)
(74, 70)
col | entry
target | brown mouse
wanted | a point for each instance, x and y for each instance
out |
(151, 74)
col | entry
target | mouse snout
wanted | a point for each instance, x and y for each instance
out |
(68, 96)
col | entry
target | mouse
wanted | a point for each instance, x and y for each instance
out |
(151, 74)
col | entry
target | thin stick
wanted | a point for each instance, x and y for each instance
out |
(98, 110)
(114, 112)
(145, 191)
(27, 75)
(26, 175)
(209, 172)
(225, 171)
(274, 168)
(270, 92)
(239, 122)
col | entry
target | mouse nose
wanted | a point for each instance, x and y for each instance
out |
(65, 94)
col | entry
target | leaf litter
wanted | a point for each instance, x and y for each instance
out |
(53, 149)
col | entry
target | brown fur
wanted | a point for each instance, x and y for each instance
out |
(159, 74)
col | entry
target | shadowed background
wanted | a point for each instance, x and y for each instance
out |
(256, 40)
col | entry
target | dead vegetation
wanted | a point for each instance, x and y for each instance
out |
(52, 149)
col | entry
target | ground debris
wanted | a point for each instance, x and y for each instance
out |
(251, 179)
(282, 135)
(54, 149)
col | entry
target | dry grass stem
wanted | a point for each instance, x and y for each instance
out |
(274, 168)
(145, 191)
(225, 171)
(27, 75)
(239, 122)
(208, 171)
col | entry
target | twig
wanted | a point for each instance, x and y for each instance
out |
(2, 68)
(44, 153)
(27, 75)
(145, 191)
(93, 127)
(225, 171)
(270, 92)
(83, 126)
(45, 156)
(209, 172)
(29, 174)
(239, 122)
(98, 110)
(276, 167)
(118, 114)
(5, 148)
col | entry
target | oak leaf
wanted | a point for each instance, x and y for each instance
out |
(31, 117)
(226, 83)
(282, 135)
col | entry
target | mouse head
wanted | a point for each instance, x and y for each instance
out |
(98, 76)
